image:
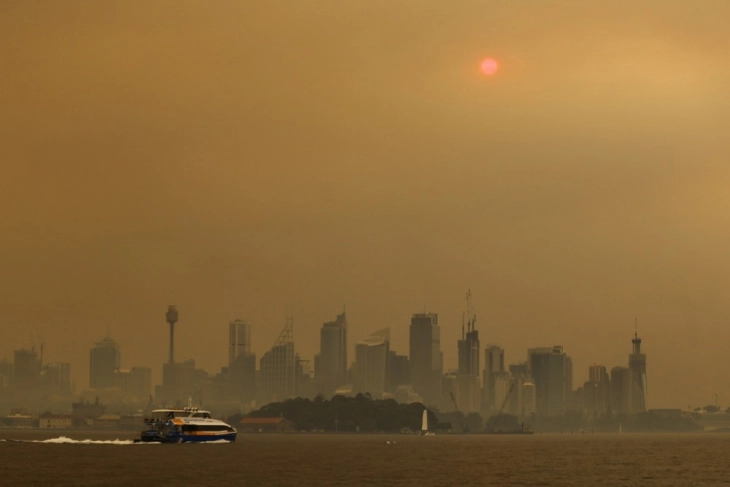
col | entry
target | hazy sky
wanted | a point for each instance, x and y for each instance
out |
(257, 159)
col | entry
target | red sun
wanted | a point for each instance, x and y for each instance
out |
(489, 66)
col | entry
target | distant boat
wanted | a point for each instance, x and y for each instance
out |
(424, 425)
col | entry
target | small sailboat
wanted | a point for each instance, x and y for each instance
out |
(424, 425)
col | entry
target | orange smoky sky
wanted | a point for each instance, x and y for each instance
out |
(262, 159)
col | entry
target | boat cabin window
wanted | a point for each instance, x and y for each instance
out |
(201, 414)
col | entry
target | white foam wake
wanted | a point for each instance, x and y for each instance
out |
(66, 440)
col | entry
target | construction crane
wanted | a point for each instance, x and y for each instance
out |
(490, 428)
(453, 399)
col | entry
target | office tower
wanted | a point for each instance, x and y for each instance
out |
(27, 370)
(180, 381)
(171, 316)
(239, 339)
(371, 364)
(597, 391)
(242, 378)
(528, 400)
(548, 368)
(330, 365)
(469, 392)
(399, 372)
(425, 356)
(621, 390)
(305, 385)
(278, 368)
(104, 360)
(135, 383)
(57, 379)
(637, 367)
(493, 368)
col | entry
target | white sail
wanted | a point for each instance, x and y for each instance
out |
(424, 422)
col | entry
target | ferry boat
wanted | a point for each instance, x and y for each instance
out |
(184, 426)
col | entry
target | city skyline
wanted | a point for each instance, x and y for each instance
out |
(276, 377)
(356, 153)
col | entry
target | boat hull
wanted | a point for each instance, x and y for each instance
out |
(154, 437)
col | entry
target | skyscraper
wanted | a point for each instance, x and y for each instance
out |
(104, 360)
(621, 390)
(597, 391)
(57, 379)
(371, 364)
(330, 365)
(26, 377)
(239, 339)
(467, 380)
(637, 368)
(278, 368)
(425, 356)
(26, 371)
(548, 368)
(493, 368)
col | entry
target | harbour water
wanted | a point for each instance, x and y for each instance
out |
(111, 459)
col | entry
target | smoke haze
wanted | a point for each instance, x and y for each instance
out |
(256, 159)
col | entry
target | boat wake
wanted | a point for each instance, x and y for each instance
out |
(68, 441)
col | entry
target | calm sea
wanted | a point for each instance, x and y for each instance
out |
(44, 458)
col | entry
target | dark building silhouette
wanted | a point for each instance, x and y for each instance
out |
(621, 390)
(370, 372)
(56, 379)
(426, 357)
(330, 365)
(104, 360)
(278, 369)
(399, 371)
(493, 368)
(467, 379)
(548, 370)
(637, 368)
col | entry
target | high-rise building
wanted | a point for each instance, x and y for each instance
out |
(330, 365)
(57, 379)
(528, 400)
(621, 390)
(239, 340)
(27, 370)
(425, 356)
(180, 382)
(469, 392)
(105, 358)
(493, 368)
(371, 364)
(548, 368)
(278, 368)
(135, 383)
(637, 367)
(242, 378)
(399, 371)
(597, 391)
